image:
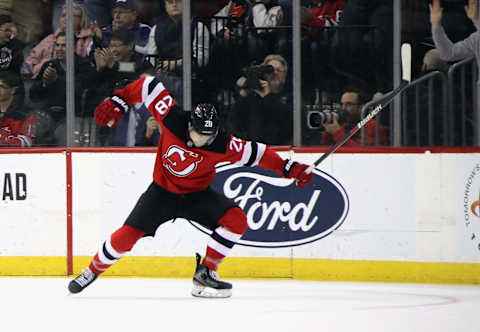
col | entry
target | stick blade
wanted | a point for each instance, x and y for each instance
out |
(406, 53)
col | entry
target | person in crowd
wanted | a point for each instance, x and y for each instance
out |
(263, 110)
(125, 16)
(49, 88)
(17, 126)
(136, 128)
(152, 133)
(324, 14)
(349, 115)
(167, 41)
(43, 51)
(462, 49)
(267, 14)
(192, 144)
(433, 61)
(11, 53)
(11, 49)
(56, 11)
(116, 66)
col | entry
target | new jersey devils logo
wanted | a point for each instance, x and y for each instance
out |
(180, 161)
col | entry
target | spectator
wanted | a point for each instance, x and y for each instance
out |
(11, 54)
(124, 17)
(462, 49)
(152, 133)
(167, 38)
(267, 14)
(11, 49)
(116, 66)
(263, 111)
(351, 103)
(324, 14)
(99, 11)
(57, 8)
(136, 128)
(17, 127)
(43, 52)
(432, 61)
(150, 10)
(49, 87)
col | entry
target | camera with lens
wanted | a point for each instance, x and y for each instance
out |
(255, 74)
(316, 117)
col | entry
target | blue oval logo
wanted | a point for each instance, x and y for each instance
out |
(279, 213)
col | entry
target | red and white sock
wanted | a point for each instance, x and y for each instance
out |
(219, 246)
(233, 224)
(119, 243)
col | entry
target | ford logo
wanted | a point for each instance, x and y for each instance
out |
(279, 213)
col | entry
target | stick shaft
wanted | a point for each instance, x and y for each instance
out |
(380, 105)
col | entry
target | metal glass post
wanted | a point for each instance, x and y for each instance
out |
(297, 75)
(70, 75)
(187, 55)
(397, 74)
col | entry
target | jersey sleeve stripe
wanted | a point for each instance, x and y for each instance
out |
(159, 88)
(252, 153)
(247, 151)
(260, 151)
(146, 88)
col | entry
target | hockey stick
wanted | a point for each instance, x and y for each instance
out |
(379, 106)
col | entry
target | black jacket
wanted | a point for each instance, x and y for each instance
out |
(11, 56)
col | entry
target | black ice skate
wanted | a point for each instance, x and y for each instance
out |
(206, 283)
(82, 281)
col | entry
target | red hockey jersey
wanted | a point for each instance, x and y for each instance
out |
(17, 129)
(179, 167)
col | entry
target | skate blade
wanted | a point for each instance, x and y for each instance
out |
(207, 292)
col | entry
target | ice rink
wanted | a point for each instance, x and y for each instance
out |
(134, 304)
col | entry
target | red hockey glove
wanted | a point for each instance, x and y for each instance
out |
(292, 169)
(110, 111)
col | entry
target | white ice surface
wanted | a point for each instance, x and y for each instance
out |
(134, 304)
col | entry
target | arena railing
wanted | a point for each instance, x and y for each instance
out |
(463, 118)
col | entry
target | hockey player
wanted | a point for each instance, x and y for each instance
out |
(190, 146)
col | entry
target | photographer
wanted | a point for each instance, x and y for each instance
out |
(263, 111)
(348, 116)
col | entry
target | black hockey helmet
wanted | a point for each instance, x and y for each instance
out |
(204, 119)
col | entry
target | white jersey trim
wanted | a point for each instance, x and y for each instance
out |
(260, 151)
(248, 159)
(149, 98)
